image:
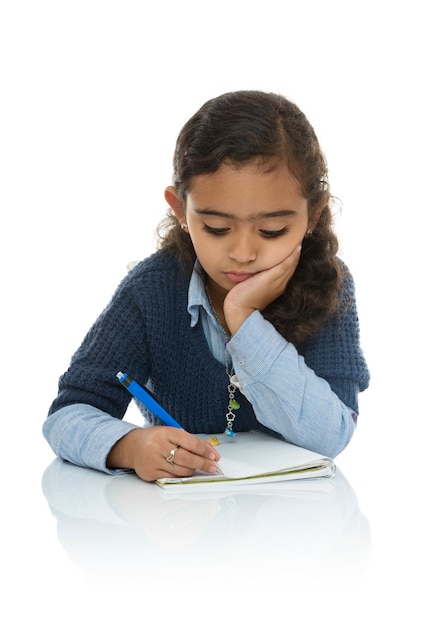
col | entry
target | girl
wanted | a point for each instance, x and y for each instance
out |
(243, 319)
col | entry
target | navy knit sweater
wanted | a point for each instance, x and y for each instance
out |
(145, 330)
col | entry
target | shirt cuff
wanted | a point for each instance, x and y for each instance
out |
(84, 435)
(255, 348)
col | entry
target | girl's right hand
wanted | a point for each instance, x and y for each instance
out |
(146, 450)
(258, 291)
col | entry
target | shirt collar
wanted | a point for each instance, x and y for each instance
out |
(197, 295)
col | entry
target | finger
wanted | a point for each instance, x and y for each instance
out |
(195, 445)
(283, 272)
(291, 261)
(190, 462)
(184, 463)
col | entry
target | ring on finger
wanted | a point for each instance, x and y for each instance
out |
(171, 457)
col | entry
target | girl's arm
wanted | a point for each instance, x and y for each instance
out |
(86, 436)
(287, 396)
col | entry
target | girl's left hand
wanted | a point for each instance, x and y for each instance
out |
(258, 291)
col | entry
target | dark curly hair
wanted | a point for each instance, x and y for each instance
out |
(243, 126)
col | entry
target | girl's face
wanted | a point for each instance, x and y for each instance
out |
(242, 221)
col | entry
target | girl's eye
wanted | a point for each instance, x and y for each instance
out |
(271, 234)
(267, 234)
(215, 231)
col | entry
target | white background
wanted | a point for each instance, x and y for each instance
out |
(93, 95)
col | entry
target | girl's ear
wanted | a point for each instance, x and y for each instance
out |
(171, 197)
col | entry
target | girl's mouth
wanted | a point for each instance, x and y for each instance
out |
(237, 277)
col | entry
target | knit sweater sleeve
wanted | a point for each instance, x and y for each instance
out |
(116, 341)
(85, 419)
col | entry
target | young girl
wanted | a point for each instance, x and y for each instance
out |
(243, 319)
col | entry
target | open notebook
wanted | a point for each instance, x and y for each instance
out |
(255, 457)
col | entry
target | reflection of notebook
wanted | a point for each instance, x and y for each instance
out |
(254, 457)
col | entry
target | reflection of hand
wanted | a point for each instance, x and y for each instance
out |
(256, 292)
(167, 521)
(146, 450)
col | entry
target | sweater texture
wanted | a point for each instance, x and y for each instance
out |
(145, 330)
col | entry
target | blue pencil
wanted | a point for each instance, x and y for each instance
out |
(144, 396)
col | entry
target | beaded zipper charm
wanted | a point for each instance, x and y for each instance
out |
(233, 405)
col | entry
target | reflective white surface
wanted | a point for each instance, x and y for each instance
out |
(303, 530)
(92, 547)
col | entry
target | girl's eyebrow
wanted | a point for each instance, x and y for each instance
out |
(252, 218)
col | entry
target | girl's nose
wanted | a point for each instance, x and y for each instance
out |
(243, 249)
